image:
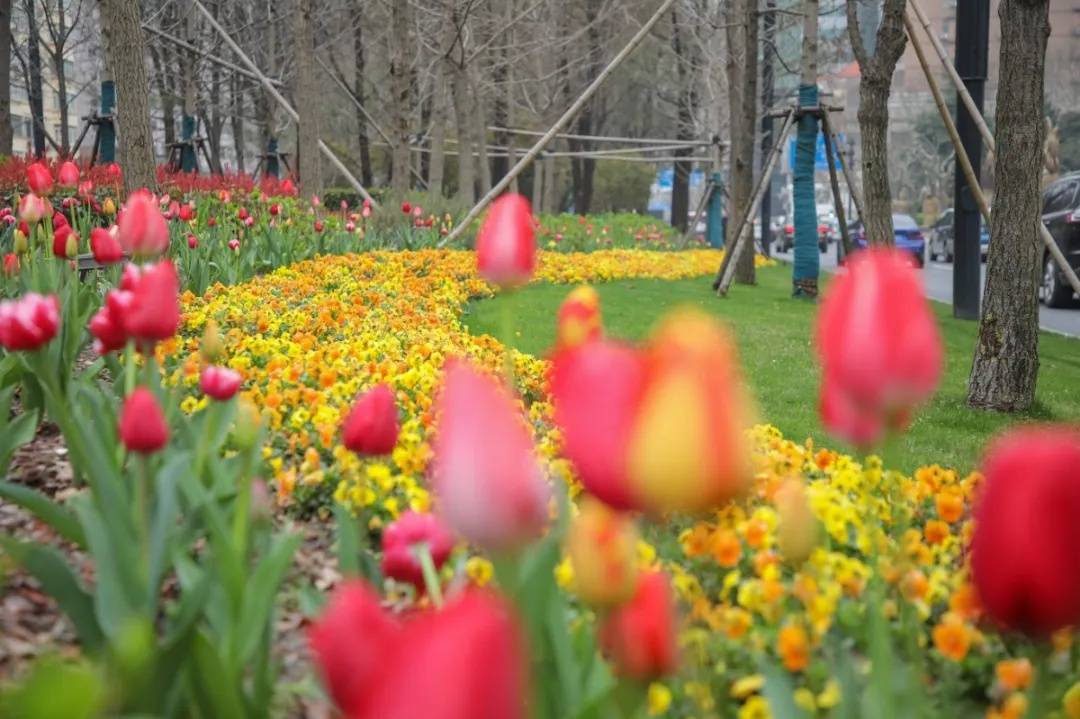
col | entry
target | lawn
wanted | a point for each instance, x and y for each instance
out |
(774, 333)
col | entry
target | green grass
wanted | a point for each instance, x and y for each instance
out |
(774, 335)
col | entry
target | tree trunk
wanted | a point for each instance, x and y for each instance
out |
(59, 41)
(1005, 370)
(37, 101)
(237, 93)
(742, 84)
(165, 96)
(122, 34)
(310, 160)
(437, 168)
(360, 61)
(401, 94)
(877, 68)
(806, 269)
(479, 114)
(466, 163)
(7, 134)
(687, 108)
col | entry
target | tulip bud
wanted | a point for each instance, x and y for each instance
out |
(32, 209)
(602, 547)
(372, 425)
(639, 636)
(579, 318)
(1024, 558)
(106, 248)
(192, 242)
(142, 423)
(39, 178)
(11, 264)
(211, 347)
(220, 383)
(19, 243)
(60, 246)
(799, 530)
(476, 414)
(68, 174)
(143, 231)
(247, 426)
(403, 536)
(29, 322)
(406, 208)
(108, 207)
(506, 245)
(234, 244)
(71, 247)
(319, 226)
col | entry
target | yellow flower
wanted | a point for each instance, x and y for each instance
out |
(805, 700)
(1071, 702)
(830, 696)
(756, 708)
(479, 570)
(659, 699)
(752, 684)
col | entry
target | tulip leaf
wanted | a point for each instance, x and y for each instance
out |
(15, 432)
(262, 590)
(215, 688)
(118, 593)
(779, 691)
(163, 526)
(46, 510)
(348, 541)
(47, 566)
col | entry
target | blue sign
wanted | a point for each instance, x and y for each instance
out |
(665, 178)
(819, 154)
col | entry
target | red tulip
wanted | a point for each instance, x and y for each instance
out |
(352, 642)
(879, 345)
(1025, 551)
(186, 212)
(192, 242)
(58, 220)
(143, 230)
(11, 264)
(86, 189)
(658, 429)
(319, 226)
(275, 210)
(142, 423)
(39, 179)
(154, 311)
(113, 170)
(287, 187)
(406, 208)
(29, 322)
(107, 326)
(639, 637)
(242, 214)
(105, 246)
(491, 489)
(579, 318)
(65, 242)
(399, 561)
(31, 210)
(68, 175)
(234, 244)
(506, 246)
(372, 425)
(220, 383)
(465, 661)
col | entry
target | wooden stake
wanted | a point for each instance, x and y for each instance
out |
(736, 241)
(266, 83)
(965, 161)
(845, 236)
(573, 110)
(853, 187)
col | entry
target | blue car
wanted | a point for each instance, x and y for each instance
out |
(906, 233)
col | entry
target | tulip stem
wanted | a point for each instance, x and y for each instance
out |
(129, 368)
(431, 576)
(142, 508)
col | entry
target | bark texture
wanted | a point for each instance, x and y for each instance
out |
(125, 53)
(6, 131)
(400, 19)
(310, 161)
(875, 86)
(360, 59)
(1005, 370)
(742, 82)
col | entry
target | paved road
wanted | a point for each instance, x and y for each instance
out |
(938, 278)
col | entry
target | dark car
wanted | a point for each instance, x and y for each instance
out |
(1061, 215)
(940, 243)
(906, 233)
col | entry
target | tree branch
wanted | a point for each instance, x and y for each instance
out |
(861, 56)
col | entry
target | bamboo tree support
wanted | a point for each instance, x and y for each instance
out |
(736, 241)
(845, 236)
(548, 136)
(965, 161)
(266, 83)
(853, 187)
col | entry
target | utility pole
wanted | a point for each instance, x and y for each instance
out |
(972, 52)
(768, 82)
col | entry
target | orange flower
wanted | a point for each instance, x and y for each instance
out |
(915, 586)
(965, 602)
(1014, 674)
(793, 646)
(737, 623)
(952, 638)
(936, 531)
(950, 505)
(726, 548)
(755, 533)
(1015, 707)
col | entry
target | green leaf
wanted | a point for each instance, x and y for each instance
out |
(59, 582)
(261, 592)
(780, 692)
(48, 511)
(82, 696)
(216, 691)
(348, 541)
(118, 592)
(163, 526)
(14, 432)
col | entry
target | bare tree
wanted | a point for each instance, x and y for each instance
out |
(59, 29)
(6, 133)
(1005, 370)
(742, 33)
(307, 100)
(875, 85)
(401, 95)
(124, 50)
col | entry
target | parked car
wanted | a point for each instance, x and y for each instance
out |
(942, 233)
(787, 237)
(1061, 215)
(906, 233)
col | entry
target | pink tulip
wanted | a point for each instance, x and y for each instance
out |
(144, 233)
(68, 175)
(39, 179)
(506, 245)
(107, 325)
(105, 246)
(29, 322)
(220, 383)
(372, 425)
(32, 209)
(491, 489)
(154, 311)
(399, 542)
(142, 426)
(234, 244)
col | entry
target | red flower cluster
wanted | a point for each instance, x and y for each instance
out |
(145, 308)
